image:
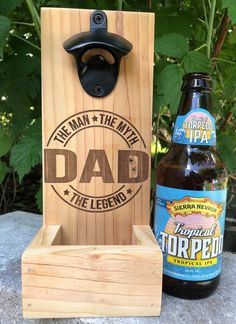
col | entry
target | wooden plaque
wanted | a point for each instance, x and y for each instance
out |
(95, 254)
(96, 150)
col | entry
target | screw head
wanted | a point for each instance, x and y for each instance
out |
(98, 90)
(98, 19)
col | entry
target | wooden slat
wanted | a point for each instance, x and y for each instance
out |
(88, 275)
(47, 236)
(38, 308)
(92, 297)
(143, 235)
(110, 258)
(88, 286)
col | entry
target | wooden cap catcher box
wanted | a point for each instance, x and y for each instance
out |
(95, 254)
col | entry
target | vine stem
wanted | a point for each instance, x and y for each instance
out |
(23, 23)
(35, 16)
(119, 4)
(205, 14)
(202, 21)
(26, 41)
(220, 77)
(222, 34)
(227, 120)
(233, 177)
(210, 28)
(222, 60)
(200, 47)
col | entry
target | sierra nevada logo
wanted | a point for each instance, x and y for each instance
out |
(189, 205)
(85, 171)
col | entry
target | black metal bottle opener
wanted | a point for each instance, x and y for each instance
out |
(97, 76)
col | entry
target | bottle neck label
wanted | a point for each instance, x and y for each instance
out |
(197, 127)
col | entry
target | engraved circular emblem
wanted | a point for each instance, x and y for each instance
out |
(95, 161)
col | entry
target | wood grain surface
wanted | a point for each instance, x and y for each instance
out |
(77, 281)
(63, 97)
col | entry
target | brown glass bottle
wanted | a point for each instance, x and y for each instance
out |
(191, 167)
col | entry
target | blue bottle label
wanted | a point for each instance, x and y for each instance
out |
(189, 226)
(197, 127)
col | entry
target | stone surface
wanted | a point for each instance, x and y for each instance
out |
(18, 228)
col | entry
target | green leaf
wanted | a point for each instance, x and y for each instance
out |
(158, 101)
(39, 199)
(5, 25)
(230, 84)
(233, 109)
(4, 169)
(232, 37)
(5, 142)
(73, 3)
(7, 6)
(231, 6)
(28, 151)
(159, 66)
(216, 107)
(173, 45)
(232, 13)
(33, 87)
(196, 62)
(199, 34)
(134, 5)
(19, 65)
(169, 84)
(180, 24)
(226, 146)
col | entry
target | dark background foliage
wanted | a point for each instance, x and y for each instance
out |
(190, 36)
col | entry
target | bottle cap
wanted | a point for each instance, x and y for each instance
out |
(197, 80)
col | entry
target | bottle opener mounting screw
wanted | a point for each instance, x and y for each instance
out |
(98, 19)
(98, 89)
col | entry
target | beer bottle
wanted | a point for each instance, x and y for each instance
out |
(191, 197)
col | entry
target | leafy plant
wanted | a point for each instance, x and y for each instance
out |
(190, 36)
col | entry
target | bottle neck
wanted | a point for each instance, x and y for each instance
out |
(192, 99)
